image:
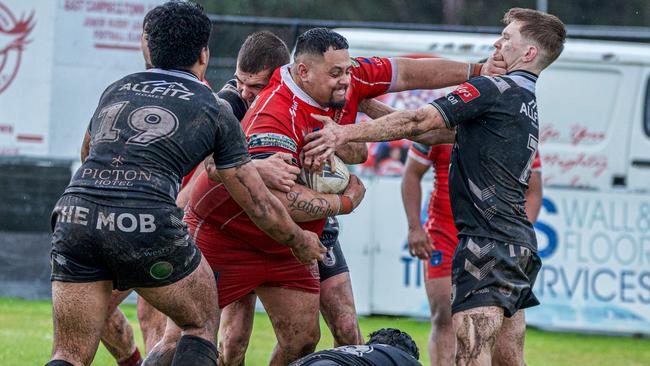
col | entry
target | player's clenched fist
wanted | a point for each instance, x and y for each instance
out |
(308, 247)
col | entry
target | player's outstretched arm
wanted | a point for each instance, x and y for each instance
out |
(398, 125)
(436, 137)
(418, 241)
(266, 211)
(305, 204)
(434, 73)
(376, 109)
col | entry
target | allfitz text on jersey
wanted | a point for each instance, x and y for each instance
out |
(158, 89)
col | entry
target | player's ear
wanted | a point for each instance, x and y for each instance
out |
(303, 71)
(531, 54)
(204, 56)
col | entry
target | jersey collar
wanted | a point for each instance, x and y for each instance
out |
(178, 73)
(527, 74)
(295, 89)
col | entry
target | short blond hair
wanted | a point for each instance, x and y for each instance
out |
(546, 30)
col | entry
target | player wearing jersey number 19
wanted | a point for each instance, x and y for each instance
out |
(116, 226)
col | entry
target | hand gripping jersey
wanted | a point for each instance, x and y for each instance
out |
(149, 130)
(277, 122)
(496, 144)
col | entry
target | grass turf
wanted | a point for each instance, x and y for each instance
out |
(26, 339)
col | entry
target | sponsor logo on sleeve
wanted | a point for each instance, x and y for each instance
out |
(467, 92)
(272, 140)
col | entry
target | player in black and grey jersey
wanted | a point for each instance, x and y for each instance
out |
(385, 347)
(117, 226)
(496, 262)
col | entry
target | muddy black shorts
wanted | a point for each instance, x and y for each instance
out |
(132, 247)
(487, 272)
(334, 262)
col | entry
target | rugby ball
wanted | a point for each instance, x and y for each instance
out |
(328, 181)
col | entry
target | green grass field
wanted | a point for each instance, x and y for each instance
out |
(26, 339)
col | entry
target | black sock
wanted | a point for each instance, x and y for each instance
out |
(192, 350)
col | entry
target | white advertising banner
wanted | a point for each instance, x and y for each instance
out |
(390, 281)
(26, 59)
(56, 58)
(595, 249)
(97, 43)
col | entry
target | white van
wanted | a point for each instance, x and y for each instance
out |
(594, 229)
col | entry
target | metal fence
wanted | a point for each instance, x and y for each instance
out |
(230, 31)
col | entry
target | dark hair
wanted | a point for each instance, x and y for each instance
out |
(546, 30)
(396, 338)
(176, 33)
(262, 50)
(317, 41)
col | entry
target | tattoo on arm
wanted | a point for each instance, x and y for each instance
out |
(315, 207)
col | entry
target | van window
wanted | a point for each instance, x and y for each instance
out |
(646, 121)
(576, 104)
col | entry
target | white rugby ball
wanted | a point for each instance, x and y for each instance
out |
(328, 181)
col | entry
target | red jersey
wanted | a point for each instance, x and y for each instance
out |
(277, 122)
(440, 222)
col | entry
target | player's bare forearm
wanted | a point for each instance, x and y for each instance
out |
(428, 73)
(436, 137)
(534, 196)
(434, 73)
(304, 204)
(412, 191)
(374, 108)
(353, 153)
(395, 126)
(264, 209)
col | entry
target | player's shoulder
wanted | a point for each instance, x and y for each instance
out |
(366, 62)
(364, 67)
(515, 80)
(231, 95)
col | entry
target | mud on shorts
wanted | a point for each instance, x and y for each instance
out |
(133, 247)
(334, 262)
(487, 272)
